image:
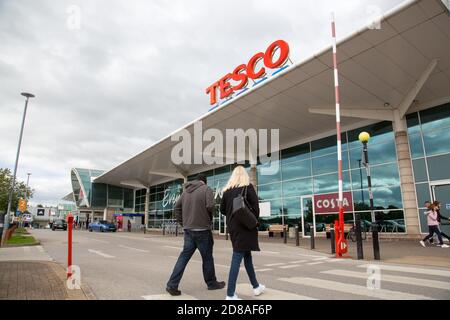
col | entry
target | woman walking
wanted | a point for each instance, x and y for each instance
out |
(243, 240)
(433, 226)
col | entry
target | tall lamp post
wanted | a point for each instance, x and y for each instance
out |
(364, 137)
(7, 216)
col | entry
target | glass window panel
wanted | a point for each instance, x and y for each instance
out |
(297, 187)
(438, 167)
(415, 144)
(423, 221)
(437, 117)
(301, 152)
(291, 207)
(423, 193)
(379, 132)
(420, 170)
(329, 183)
(268, 178)
(387, 198)
(378, 153)
(437, 141)
(412, 121)
(276, 207)
(269, 191)
(385, 175)
(128, 198)
(297, 169)
(99, 195)
(327, 145)
(327, 164)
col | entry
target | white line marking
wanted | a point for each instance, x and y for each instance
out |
(178, 248)
(269, 294)
(131, 248)
(320, 258)
(264, 252)
(100, 253)
(315, 263)
(396, 279)
(101, 241)
(433, 272)
(169, 297)
(274, 264)
(312, 256)
(290, 266)
(354, 289)
(263, 270)
(298, 261)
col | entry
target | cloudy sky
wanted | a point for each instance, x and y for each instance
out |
(113, 77)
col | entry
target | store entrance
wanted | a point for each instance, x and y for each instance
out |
(308, 220)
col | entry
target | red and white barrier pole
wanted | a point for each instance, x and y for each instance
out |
(69, 244)
(341, 244)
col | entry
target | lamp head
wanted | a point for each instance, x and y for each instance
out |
(364, 137)
(28, 95)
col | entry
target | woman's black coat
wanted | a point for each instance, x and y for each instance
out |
(242, 238)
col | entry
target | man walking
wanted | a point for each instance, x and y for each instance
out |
(194, 211)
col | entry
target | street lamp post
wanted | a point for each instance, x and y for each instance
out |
(364, 137)
(7, 216)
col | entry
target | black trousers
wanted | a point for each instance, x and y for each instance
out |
(432, 230)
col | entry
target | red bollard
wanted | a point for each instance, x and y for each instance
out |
(69, 244)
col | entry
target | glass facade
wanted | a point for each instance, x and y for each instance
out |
(306, 170)
(99, 195)
(429, 141)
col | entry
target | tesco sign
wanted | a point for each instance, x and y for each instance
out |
(275, 57)
(329, 203)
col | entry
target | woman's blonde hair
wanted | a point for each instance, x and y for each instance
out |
(239, 178)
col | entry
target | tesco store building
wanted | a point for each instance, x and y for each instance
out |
(394, 84)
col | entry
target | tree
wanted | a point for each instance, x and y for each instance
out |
(20, 190)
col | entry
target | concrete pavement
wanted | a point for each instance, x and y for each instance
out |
(137, 266)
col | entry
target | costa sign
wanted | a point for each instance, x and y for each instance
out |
(256, 68)
(329, 203)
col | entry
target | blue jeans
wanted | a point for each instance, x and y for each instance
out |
(203, 241)
(234, 270)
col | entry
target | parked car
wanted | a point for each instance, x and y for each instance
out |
(102, 226)
(59, 224)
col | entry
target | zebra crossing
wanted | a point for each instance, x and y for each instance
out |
(340, 281)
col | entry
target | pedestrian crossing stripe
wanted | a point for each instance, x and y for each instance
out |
(390, 278)
(354, 289)
(430, 272)
(245, 290)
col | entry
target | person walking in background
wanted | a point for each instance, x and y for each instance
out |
(439, 220)
(243, 240)
(194, 211)
(433, 226)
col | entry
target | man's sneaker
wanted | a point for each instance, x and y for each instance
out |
(444, 246)
(259, 290)
(235, 297)
(173, 292)
(217, 285)
(422, 243)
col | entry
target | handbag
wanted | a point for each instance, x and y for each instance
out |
(242, 210)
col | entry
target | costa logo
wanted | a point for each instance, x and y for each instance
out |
(254, 70)
(329, 203)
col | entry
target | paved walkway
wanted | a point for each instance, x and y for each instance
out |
(28, 273)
